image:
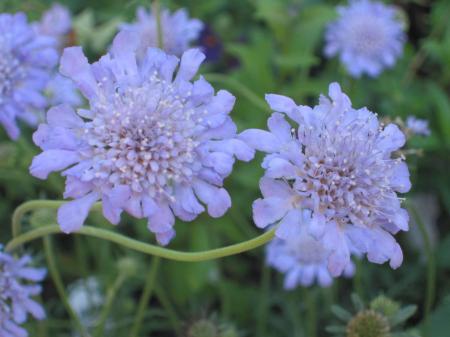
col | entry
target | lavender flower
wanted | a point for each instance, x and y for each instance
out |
(17, 285)
(150, 143)
(418, 126)
(25, 61)
(56, 22)
(178, 31)
(338, 164)
(367, 36)
(298, 254)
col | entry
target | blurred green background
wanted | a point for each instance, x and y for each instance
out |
(256, 47)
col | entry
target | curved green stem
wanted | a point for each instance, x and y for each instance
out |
(241, 89)
(145, 247)
(28, 206)
(145, 297)
(56, 277)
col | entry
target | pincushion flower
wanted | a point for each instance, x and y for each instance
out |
(340, 164)
(298, 254)
(367, 36)
(178, 31)
(17, 286)
(150, 143)
(26, 59)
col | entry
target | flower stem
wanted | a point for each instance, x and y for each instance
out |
(169, 309)
(145, 247)
(157, 11)
(431, 265)
(60, 286)
(110, 296)
(145, 297)
(32, 205)
(264, 303)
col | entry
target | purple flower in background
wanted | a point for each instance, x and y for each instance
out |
(338, 164)
(26, 59)
(298, 254)
(367, 36)
(56, 22)
(17, 286)
(178, 31)
(150, 143)
(418, 126)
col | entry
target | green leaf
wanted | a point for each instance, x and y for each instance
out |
(403, 315)
(341, 313)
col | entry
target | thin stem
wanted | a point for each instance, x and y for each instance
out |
(241, 89)
(431, 265)
(263, 301)
(145, 297)
(169, 309)
(311, 312)
(110, 296)
(60, 286)
(145, 247)
(157, 11)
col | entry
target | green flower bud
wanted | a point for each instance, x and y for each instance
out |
(203, 328)
(385, 306)
(368, 323)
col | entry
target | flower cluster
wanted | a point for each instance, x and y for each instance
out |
(17, 285)
(151, 143)
(367, 36)
(338, 163)
(26, 59)
(298, 254)
(178, 31)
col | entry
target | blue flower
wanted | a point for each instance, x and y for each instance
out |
(26, 59)
(17, 286)
(338, 163)
(298, 255)
(56, 22)
(367, 36)
(418, 126)
(151, 143)
(178, 31)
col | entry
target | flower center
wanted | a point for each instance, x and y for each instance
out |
(344, 176)
(307, 250)
(366, 35)
(144, 138)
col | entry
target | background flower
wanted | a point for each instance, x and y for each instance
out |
(368, 37)
(178, 30)
(300, 256)
(418, 126)
(151, 144)
(26, 59)
(17, 286)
